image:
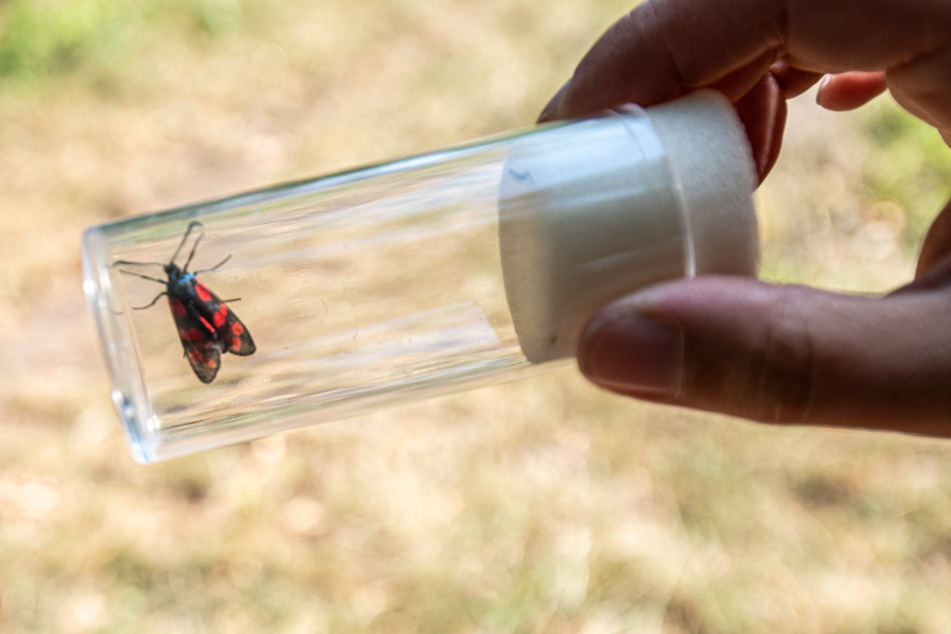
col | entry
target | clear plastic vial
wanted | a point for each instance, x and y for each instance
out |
(427, 275)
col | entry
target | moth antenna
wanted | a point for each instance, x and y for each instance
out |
(215, 266)
(188, 232)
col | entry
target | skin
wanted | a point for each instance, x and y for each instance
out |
(780, 354)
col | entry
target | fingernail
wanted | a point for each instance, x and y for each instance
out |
(550, 110)
(822, 84)
(627, 351)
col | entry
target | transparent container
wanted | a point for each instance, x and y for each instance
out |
(426, 275)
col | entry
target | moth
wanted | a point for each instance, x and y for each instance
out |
(206, 326)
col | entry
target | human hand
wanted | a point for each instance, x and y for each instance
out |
(743, 347)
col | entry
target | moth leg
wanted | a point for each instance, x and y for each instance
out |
(151, 303)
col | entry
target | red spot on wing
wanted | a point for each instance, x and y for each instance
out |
(203, 293)
(178, 309)
(236, 343)
(191, 334)
(220, 316)
(237, 329)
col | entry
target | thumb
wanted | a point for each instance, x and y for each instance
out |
(782, 354)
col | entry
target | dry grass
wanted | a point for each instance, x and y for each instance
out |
(540, 506)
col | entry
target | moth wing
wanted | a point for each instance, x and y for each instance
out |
(199, 339)
(205, 358)
(237, 339)
(229, 329)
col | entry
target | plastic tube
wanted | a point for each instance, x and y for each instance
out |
(426, 275)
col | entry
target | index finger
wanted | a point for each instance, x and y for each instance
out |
(668, 47)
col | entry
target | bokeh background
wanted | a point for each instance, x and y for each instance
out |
(538, 506)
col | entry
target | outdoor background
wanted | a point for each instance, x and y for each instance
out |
(538, 506)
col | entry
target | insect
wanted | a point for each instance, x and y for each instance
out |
(206, 326)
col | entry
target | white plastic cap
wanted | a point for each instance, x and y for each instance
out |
(598, 208)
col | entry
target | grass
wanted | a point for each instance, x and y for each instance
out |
(540, 506)
(42, 41)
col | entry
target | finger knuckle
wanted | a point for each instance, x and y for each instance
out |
(783, 384)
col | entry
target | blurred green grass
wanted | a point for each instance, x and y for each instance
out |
(541, 506)
(40, 41)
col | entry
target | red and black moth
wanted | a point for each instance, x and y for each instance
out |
(206, 326)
